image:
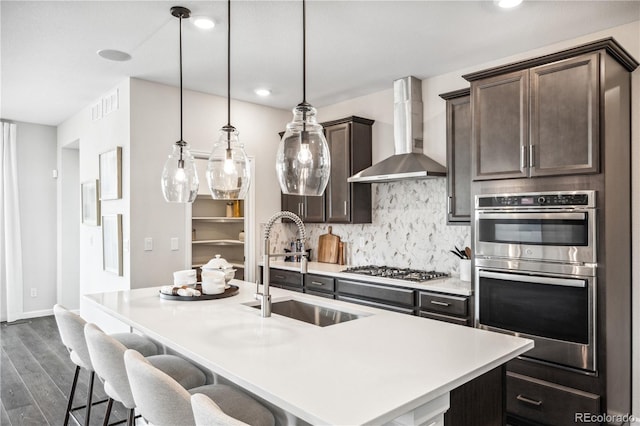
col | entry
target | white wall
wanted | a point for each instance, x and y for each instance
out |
(379, 106)
(95, 137)
(36, 160)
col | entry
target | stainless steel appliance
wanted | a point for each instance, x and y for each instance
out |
(545, 226)
(553, 304)
(404, 274)
(535, 272)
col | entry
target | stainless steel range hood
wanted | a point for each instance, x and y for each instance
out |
(408, 162)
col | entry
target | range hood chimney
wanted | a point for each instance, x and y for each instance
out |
(408, 162)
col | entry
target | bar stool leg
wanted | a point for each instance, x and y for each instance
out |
(71, 394)
(131, 419)
(89, 397)
(107, 413)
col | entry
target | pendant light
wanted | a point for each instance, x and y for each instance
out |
(228, 173)
(303, 161)
(179, 176)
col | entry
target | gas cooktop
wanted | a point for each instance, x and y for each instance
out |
(406, 274)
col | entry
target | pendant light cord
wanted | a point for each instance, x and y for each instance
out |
(181, 161)
(180, 37)
(304, 53)
(229, 127)
(229, 63)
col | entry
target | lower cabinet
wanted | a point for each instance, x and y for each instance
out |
(479, 402)
(289, 280)
(445, 307)
(319, 285)
(543, 402)
(380, 296)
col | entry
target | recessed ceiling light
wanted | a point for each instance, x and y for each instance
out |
(114, 55)
(203, 22)
(262, 92)
(508, 4)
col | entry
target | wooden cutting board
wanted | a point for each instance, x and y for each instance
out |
(328, 247)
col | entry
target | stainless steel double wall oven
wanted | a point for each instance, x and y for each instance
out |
(536, 268)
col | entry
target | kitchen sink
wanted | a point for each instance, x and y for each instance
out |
(312, 314)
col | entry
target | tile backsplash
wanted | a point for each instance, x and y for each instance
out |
(408, 229)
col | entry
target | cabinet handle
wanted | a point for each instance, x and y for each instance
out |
(449, 204)
(299, 209)
(531, 156)
(436, 302)
(523, 157)
(317, 283)
(529, 401)
(280, 277)
(345, 208)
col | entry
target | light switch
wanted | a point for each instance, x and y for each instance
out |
(148, 244)
(126, 245)
(174, 243)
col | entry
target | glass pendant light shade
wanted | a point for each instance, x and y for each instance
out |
(303, 162)
(228, 173)
(179, 176)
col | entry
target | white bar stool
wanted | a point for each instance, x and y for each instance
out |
(107, 356)
(71, 329)
(163, 402)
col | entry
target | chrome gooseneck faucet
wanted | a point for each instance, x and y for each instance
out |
(265, 297)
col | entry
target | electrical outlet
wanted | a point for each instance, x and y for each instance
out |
(148, 244)
(361, 242)
(34, 292)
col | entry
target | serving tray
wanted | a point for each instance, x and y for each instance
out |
(232, 290)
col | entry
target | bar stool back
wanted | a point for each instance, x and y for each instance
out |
(208, 413)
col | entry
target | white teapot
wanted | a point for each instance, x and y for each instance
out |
(220, 264)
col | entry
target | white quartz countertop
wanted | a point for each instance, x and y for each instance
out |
(366, 371)
(451, 285)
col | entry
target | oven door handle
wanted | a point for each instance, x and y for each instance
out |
(530, 215)
(535, 279)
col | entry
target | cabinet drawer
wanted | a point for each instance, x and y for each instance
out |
(319, 293)
(399, 296)
(407, 311)
(319, 282)
(286, 278)
(547, 402)
(443, 303)
(445, 318)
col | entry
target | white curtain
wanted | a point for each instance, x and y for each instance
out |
(10, 241)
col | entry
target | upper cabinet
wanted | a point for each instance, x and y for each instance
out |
(349, 142)
(541, 117)
(458, 156)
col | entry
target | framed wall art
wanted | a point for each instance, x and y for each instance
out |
(112, 243)
(90, 203)
(111, 174)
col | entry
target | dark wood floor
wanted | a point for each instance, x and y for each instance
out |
(36, 375)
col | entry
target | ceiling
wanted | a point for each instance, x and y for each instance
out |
(50, 69)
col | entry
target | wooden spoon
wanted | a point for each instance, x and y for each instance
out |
(467, 251)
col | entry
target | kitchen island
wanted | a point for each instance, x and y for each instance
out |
(382, 367)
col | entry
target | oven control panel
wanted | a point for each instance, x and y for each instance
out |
(546, 199)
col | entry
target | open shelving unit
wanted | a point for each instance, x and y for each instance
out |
(215, 233)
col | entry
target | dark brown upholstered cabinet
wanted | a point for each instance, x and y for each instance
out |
(458, 156)
(541, 121)
(349, 142)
